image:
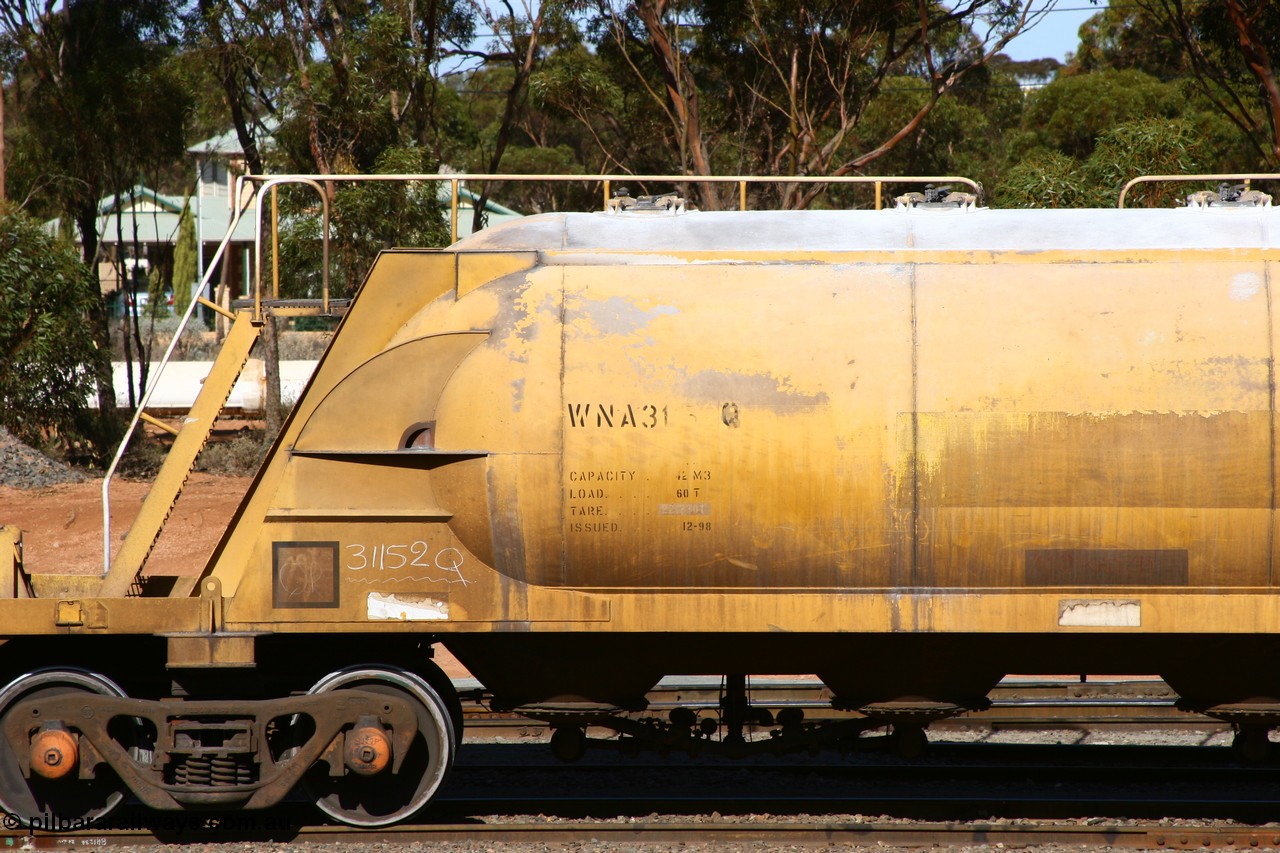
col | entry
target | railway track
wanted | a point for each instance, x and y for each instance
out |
(955, 782)
(871, 833)
(1138, 797)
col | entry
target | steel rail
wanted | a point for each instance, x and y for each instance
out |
(1127, 835)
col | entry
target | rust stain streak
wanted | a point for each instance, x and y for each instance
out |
(560, 437)
(915, 431)
(1271, 390)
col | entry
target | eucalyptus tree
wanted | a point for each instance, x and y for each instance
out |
(336, 81)
(1136, 147)
(1224, 50)
(779, 87)
(49, 361)
(1232, 47)
(97, 102)
(520, 39)
(97, 105)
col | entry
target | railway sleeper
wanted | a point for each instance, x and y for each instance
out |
(208, 754)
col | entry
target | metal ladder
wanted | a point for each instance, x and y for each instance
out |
(197, 426)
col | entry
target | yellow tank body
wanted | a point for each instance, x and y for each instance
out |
(900, 422)
(909, 451)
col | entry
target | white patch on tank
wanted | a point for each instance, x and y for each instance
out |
(1099, 613)
(407, 607)
(1245, 285)
(684, 509)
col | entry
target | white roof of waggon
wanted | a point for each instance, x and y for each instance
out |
(868, 230)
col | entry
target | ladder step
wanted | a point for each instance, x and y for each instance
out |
(297, 307)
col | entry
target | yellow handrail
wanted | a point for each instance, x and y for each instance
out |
(1149, 179)
(606, 181)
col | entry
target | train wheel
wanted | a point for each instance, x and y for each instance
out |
(70, 799)
(388, 798)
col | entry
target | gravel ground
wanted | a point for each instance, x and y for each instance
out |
(612, 846)
(1100, 737)
(23, 467)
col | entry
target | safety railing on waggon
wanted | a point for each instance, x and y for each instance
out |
(267, 185)
(1245, 179)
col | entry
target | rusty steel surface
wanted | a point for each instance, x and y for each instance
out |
(236, 767)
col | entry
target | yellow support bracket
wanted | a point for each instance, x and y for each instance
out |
(157, 423)
(213, 306)
(14, 582)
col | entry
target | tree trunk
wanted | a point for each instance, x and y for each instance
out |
(2, 191)
(272, 409)
(523, 70)
(1258, 59)
(682, 92)
(87, 220)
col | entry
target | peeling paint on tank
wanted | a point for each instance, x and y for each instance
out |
(616, 316)
(751, 389)
(549, 307)
(521, 313)
(511, 318)
(1245, 286)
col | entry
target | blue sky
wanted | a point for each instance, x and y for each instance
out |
(1056, 35)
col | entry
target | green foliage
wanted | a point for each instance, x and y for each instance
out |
(1048, 179)
(185, 261)
(965, 135)
(575, 84)
(370, 217)
(535, 197)
(355, 78)
(1070, 113)
(157, 297)
(102, 101)
(1196, 45)
(365, 219)
(47, 355)
(1146, 147)
(1128, 36)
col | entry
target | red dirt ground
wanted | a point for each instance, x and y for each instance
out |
(62, 527)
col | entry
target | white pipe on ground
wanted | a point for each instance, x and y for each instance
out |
(176, 388)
